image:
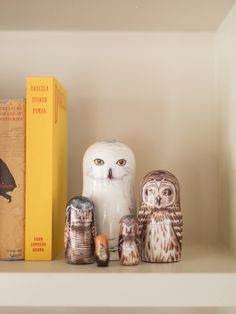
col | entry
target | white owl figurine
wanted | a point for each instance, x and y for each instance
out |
(108, 179)
(160, 218)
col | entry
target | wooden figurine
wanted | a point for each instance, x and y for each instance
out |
(108, 173)
(129, 241)
(80, 231)
(102, 250)
(160, 218)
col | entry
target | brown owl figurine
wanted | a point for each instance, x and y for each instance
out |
(129, 241)
(80, 231)
(160, 218)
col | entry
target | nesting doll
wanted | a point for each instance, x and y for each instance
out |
(108, 175)
(129, 241)
(80, 231)
(160, 218)
(102, 250)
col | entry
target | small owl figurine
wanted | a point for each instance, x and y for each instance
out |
(160, 218)
(129, 241)
(108, 175)
(80, 231)
(102, 250)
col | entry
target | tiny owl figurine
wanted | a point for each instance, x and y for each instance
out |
(160, 218)
(102, 250)
(129, 241)
(108, 175)
(80, 231)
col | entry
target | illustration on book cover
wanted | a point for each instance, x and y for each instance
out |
(7, 181)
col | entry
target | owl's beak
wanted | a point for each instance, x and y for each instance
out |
(158, 200)
(110, 174)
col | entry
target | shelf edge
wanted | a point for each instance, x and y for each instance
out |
(118, 290)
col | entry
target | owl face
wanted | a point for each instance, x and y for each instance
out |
(128, 230)
(159, 194)
(81, 217)
(109, 161)
(128, 226)
(80, 211)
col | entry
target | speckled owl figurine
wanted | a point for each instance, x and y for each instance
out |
(160, 218)
(108, 175)
(80, 231)
(129, 241)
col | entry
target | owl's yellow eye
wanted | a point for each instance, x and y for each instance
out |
(121, 162)
(98, 162)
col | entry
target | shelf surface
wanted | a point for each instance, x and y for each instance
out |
(111, 15)
(205, 277)
(196, 259)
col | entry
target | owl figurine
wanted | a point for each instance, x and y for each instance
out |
(108, 177)
(160, 218)
(80, 231)
(129, 241)
(102, 250)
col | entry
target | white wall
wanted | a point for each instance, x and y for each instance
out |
(227, 100)
(154, 91)
(111, 15)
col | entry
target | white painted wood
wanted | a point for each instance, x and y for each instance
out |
(119, 290)
(112, 15)
(226, 62)
(114, 310)
(158, 92)
(205, 277)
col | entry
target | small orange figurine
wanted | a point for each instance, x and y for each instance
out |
(102, 250)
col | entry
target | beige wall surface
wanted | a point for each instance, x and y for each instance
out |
(113, 15)
(153, 91)
(227, 100)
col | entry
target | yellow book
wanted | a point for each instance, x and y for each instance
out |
(46, 168)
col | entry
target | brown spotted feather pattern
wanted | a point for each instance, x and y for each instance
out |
(161, 228)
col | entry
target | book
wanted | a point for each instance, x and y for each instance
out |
(46, 168)
(12, 178)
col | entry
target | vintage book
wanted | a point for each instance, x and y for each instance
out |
(46, 168)
(12, 178)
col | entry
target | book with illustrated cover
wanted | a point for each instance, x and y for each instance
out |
(12, 178)
(46, 168)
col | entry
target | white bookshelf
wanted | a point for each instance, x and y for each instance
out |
(206, 277)
(159, 76)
